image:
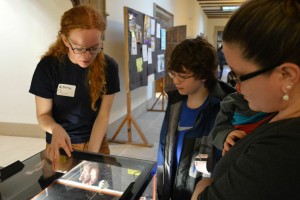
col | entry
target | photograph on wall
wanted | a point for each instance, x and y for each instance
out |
(160, 63)
(149, 58)
(145, 52)
(153, 43)
(163, 39)
(133, 46)
(158, 30)
(144, 46)
(132, 23)
(147, 30)
(153, 26)
(134, 29)
(159, 55)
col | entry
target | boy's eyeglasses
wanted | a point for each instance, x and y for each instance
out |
(233, 79)
(179, 77)
(92, 50)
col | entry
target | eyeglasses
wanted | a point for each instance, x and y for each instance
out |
(180, 78)
(92, 50)
(233, 79)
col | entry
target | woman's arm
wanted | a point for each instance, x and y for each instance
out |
(201, 185)
(101, 123)
(60, 138)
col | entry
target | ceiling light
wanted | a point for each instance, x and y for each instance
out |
(229, 8)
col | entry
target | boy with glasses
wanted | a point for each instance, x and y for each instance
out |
(189, 117)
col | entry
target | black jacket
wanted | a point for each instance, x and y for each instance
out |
(178, 182)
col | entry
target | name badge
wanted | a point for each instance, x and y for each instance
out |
(66, 90)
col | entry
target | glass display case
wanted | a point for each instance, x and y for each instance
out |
(85, 176)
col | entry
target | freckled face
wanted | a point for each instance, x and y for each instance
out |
(78, 38)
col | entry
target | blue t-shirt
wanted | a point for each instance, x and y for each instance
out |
(186, 122)
(72, 112)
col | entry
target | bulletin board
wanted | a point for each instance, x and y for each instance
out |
(146, 45)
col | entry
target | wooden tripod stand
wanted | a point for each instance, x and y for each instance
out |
(161, 96)
(129, 118)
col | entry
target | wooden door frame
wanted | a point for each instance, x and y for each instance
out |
(162, 15)
(215, 34)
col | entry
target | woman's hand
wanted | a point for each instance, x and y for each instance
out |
(60, 139)
(231, 139)
(201, 185)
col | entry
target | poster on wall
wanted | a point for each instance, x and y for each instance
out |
(160, 63)
(147, 30)
(137, 68)
(146, 55)
(163, 39)
(160, 50)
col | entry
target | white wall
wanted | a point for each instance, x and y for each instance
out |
(30, 26)
(213, 24)
(189, 12)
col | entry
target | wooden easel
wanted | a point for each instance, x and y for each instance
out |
(161, 96)
(129, 118)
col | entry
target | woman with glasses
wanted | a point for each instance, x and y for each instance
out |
(261, 43)
(235, 119)
(74, 86)
(189, 117)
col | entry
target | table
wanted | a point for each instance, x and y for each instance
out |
(124, 178)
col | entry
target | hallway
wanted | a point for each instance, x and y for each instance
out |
(21, 148)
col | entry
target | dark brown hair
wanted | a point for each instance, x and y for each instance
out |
(197, 56)
(267, 31)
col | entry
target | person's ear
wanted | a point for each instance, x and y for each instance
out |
(64, 39)
(290, 72)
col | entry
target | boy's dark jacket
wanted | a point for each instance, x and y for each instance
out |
(180, 184)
